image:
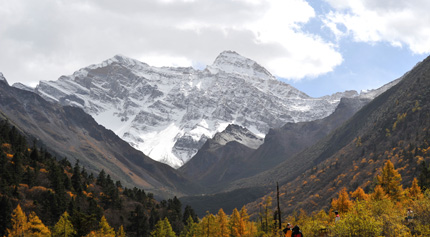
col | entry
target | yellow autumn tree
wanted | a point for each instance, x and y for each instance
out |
(359, 194)
(378, 193)
(64, 226)
(342, 203)
(266, 215)
(19, 223)
(208, 225)
(234, 222)
(120, 232)
(105, 229)
(36, 227)
(415, 190)
(191, 229)
(163, 229)
(222, 229)
(390, 181)
(237, 224)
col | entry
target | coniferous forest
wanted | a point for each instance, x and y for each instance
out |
(43, 196)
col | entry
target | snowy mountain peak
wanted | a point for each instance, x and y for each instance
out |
(232, 62)
(125, 60)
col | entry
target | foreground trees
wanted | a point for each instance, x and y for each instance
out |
(389, 210)
(21, 226)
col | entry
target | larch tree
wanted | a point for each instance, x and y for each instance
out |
(266, 214)
(222, 224)
(105, 229)
(379, 193)
(390, 181)
(191, 228)
(19, 223)
(342, 203)
(64, 226)
(36, 227)
(208, 225)
(120, 232)
(359, 194)
(415, 190)
(163, 229)
(237, 225)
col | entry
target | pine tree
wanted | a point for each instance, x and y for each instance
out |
(424, 177)
(390, 181)
(5, 214)
(189, 212)
(101, 178)
(19, 223)
(138, 222)
(64, 226)
(36, 227)
(76, 178)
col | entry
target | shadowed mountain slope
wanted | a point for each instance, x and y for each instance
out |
(217, 165)
(394, 126)
(70, 132)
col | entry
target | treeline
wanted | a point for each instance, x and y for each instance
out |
(51, 192)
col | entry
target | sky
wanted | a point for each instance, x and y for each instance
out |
(318, 46)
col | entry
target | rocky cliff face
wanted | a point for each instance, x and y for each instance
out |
(169, 113)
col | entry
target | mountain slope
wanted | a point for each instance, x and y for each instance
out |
(394, 126)
(218, 160)
(70, 132)
(217, 165)
(168, 113)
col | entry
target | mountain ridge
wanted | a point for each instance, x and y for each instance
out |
(168, 113)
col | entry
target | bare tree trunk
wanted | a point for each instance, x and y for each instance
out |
(279, 208)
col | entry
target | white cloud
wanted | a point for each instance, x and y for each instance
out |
(400, 23)
(42, 40)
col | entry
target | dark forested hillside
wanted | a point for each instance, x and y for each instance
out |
(48, 189)
(395, 126)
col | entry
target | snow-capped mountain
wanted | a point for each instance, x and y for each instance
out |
(168, 113)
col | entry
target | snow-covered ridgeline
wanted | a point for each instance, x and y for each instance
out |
(168, 113)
